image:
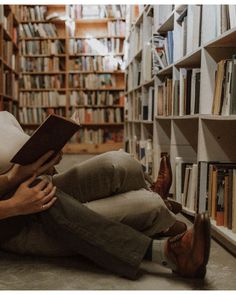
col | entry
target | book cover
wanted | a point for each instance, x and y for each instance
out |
(53, 134)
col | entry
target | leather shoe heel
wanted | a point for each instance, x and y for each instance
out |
(190, 251)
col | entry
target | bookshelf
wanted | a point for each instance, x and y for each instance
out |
(72, 59)
(186, 122)
(9, 55)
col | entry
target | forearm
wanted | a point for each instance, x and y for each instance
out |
(6, 184)
(7, 209)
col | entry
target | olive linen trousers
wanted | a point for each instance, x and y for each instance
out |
(104, 211)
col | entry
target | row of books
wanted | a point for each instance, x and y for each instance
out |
(98, 136)
(96, 63)
(186, 176)
(208, 186)
(9, 56)
(141, 105)
(95, 11)
(37, 115)
(116, 28)
(135, 41)
(142, 150)
(202, 23)
(10, 84)
(42, 99)
(43, 30)
(224, 100)
(50, 47)
(107, 115)
(162, 51)
(96, 98)
(42, 81)
(41, 64)
(135, 11)
(33, 13)
(134, 75)
(96, 46)
(92, 81)
(180, 97)
(164, 98)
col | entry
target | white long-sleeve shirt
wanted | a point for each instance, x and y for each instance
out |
(12, 138)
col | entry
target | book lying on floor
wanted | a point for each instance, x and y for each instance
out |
(52, 134)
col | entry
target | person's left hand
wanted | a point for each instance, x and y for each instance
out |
(20, 173)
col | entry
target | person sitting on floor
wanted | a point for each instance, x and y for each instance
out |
(101, 208)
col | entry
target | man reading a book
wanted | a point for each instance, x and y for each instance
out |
(101, 208)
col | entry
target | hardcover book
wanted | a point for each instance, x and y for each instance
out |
(52, 134)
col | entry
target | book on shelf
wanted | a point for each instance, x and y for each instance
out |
(52, 134)
(28, 82)
(163, 13)
(232, 16)
(35, 116)
(42, 99)
(100, 115)
(146, 65)
(135, 12)
(46, 47)
(216, 192)
(95, 46)
(98, 136)
(33, 13)
(96, 63)
(193, 27)
(224, 102)
(164, 98)
(96, 98)
(42, 30)
(116, 28)
(42, 64)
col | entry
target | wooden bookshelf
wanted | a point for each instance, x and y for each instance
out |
(9, 55)
(91, 56)
(192, 134)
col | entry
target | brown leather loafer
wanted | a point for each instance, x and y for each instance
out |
(189, 251)
(164, 178)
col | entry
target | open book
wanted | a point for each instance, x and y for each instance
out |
(52, 134)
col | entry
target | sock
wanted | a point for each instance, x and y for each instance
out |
(158, 254)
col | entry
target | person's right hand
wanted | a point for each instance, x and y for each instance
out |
(19, 173)
(28, 200)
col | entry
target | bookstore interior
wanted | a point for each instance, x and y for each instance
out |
(150, 79)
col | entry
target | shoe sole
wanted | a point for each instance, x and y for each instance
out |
(201, 271)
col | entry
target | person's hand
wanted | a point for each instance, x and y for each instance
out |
(19, 173)
(28, 200)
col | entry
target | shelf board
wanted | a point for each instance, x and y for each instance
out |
(96, 20)
(42, 89)
(96, 72)
(101, 124)
(42, 107)
(224, 236)
(44, 73)
(193, 59)
(41, 38)
(166, 71)
(5, 64)
(96, 54)
(198, 116)
(137, 55)
(188, 211)
(218, 117)
(145, 84)
(96, 106)
(168, 25)
(97, 37)
(83, 148)
(43, 55)
(53, 20)
(95, 89)
(227, 39)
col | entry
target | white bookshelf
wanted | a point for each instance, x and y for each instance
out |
(193, 137)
